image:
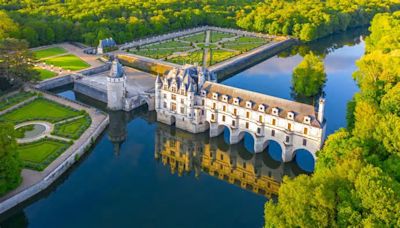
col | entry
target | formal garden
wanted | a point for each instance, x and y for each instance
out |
(51, 61)
(44, 128)
(207, 48)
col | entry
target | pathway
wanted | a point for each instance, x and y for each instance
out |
(206, 48)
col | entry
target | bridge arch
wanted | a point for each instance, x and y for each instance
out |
(274, 148)
(304, 158)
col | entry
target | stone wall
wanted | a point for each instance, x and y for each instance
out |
(55, 82)
(96, 70)
(149, 66)
(239, 63)
(91, 91)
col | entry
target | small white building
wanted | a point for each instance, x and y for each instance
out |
(106, 44)
(190, 98)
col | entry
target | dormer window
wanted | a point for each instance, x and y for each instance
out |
(275, 111)
(290, 115)
(203, 93)
(224, 98)
(249, 104)
(236, 101)
(307, 120)
(261, 108)
(215, 96)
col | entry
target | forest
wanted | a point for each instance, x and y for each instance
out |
(43, 22)
(357, 179)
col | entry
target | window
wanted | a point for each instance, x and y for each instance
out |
(165, 96)
(202, 112)
(305, 131)
(247, 125)
(273, 133)
(233, 123)
(274, 122)
(173, 106)
(182, 101)
(260, 118)
(304, 142)
(182, 110)
(247, 114)
(173, 97)
(235, 111)
(212, 117)
(202, 102)
(223, 118)
(258, 130)
(224, 108)
(289, 126)
(222, 157)
(287, 139)
(214, 105)
(244, 165)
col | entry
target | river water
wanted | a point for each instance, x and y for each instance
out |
(141, 173)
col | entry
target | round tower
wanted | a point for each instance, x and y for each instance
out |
(116, 86)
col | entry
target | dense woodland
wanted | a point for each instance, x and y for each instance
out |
(52, 21)
(357, 177)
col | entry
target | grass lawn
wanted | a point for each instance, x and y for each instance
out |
(193, 57)
(15, 99)
(40, 109)
(203, 45)
(218, 55)
(157, 54)
(168, 44)
(217, 36)
(38, 155)
(72, 129)
(196, 38)
(68, 62)
(45, 74)
(44, 53)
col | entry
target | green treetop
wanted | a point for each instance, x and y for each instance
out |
(309, 76)
(10, 165)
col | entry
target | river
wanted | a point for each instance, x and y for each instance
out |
(141, 173)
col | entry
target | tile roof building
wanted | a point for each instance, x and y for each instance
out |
(190, 98)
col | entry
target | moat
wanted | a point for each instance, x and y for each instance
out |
(126, 179)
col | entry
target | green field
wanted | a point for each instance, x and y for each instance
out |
(158, 53)
(68, 62)
(38, 155)
(245, 43)
(72, 129)
(8, 102)
(218, 55)
(203, 45)
(168, 44)
(48, 52)
(45, 74)
(193, 57)
(196, 38)
(40, 109)
(217, 36)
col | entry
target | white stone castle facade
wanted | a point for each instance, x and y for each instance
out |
(190, 98)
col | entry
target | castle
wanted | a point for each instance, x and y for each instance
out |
(190, 98)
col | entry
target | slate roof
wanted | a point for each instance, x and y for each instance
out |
(300, 110)
(117, 70)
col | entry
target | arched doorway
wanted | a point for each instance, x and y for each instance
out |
(304, 159)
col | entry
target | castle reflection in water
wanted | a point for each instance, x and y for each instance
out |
(197, 154)
(184, 152)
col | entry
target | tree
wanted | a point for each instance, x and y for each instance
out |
(7, 26)
(309, 76)
(16, 65)
(10, 165)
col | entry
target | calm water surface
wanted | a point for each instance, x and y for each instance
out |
(145, 174)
